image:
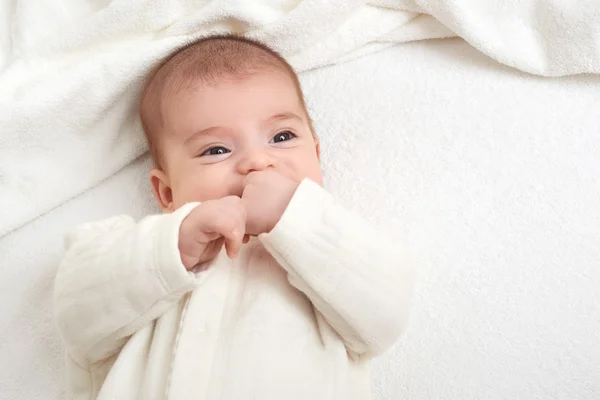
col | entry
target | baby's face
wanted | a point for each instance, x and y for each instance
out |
(218, 134)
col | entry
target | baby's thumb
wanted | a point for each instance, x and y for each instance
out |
(233, 243)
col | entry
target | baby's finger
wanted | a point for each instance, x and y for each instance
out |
(230, 223)
(252, 177)
(234, 240)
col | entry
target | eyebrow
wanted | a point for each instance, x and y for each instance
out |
(274, 118)
(283, 117)
(194, 136)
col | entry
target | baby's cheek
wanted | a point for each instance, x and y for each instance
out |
(212, 187)
(314, 171)
(317, 176)
(188, 191)
(301, 167)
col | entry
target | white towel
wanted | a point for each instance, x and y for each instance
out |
(550, 37)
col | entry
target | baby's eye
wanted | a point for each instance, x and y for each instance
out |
(282, 137)
(215, 151)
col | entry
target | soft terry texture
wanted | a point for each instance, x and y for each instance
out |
(298, 315)
(71, 70)
(491, 172)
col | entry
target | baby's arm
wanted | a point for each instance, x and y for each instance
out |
(359, 279)
(117, 276)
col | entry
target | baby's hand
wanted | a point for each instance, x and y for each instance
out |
(210, 225)
(266, 196)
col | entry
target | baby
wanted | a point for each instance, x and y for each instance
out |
(253, 283)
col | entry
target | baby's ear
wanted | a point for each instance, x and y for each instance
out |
(162, 190)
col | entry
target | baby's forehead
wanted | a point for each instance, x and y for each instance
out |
(268, 84)
(252, 100)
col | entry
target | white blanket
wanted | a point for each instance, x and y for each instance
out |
(71, 69)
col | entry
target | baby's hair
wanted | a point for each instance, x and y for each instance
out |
(208, 61)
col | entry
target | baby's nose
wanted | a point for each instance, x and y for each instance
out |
(256, 160)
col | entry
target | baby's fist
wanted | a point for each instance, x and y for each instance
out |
(266, 196)
(208, 227)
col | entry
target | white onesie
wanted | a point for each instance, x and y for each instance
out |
(298, 315)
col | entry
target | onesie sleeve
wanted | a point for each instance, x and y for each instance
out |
(117, 276)
(357, 277)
